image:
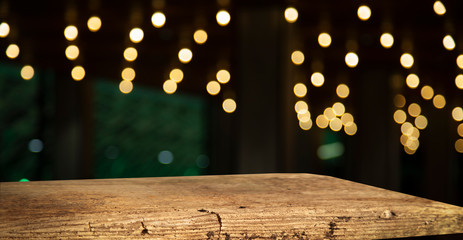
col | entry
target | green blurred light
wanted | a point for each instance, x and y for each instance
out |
(24, 180)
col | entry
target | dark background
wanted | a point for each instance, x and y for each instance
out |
(89, 129)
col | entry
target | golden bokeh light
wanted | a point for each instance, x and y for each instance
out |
(347, 119)
(126, 86)
(329, 114)
(439, 8)
(350, 129)
(176, 75)
(291, 15)
(158, 19)
(459, 145)
(364, 12)
(317, 79)
(427, 92)
(412, 81)
(406, 128)
(223, 18)
(460, 129)
(409, 151)
(128, 74)
(460, 61)
(229, 105)
(324, 39)
(200, 36)
(336, 124)
(136, 35)
(169, 86)
(4, 29)
(94, 24)
(306, 125)
(130, 54)
(386, 40)
(457, 114)
(421, 122)
(27, 72)
(351, 59)
(72, 52)
(297, 57)
(414, 110)
(459, 81)
(213, 87)
(406, 60)
(301, 107)
(342, 90)
(12, 51)
(439, 101)
(223, 76)
(300, 90)
(400, 116)
(71, 32)
(78, 73)
(403, 139)
(185, 55)
(304, 117)
(448, 42)
(339, 109)
(399, 100)
(321, 121)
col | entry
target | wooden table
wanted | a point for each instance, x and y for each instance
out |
(260, 206)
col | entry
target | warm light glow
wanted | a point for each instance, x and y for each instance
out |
(291, 14)
(4, 29)
(321, 121)
(387, 40)
(94, 24)
(176, 75)
(317, 79)
(399, 101)
(413, 81)
(460, 129)
(460, 61)
(301, 107)
(439, 8)
(336, 124)
(185, 55)
(229, 105)
(324, 39)
(130, 54)
(126, 86)
(297, 57)
(72, 52)
(406, 60)
(409, 151)
(427, 92)
(421, 122)
(350, 129)
(339, 109)
(200, 36)
(27, 72)
(329, 113)
(414, 110)
(12, 51)
(364, 13)
(223, 18)
(136, 35)
(307, 125)
(213, 87)
(352, 59)
(300, 90)
(169, 86)
(223, 76)
(347, 119)
(457, 114)
(158, 19)
(128, 74)
(304, 117)
(459, 145)
(78, 73)
(400, 116)
(342, 90)
(448, 42)
(406, 128)
(439, 101)
(71, 32)
(459, 81)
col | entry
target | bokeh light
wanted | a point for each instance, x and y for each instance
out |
(72, 52)
(12, 51)
(223, 18)
(169, 86)
(439, 101)
(291, 15)
(460, 61)
(439, 8)
(130, 54)
(342, 90)
(339, 109)
(136, 35)
(200, 36)
(27, 72)
(459, 145)
(364, 12)
(406, 60)
(386, 40)
(414, 109)
(459, 81)
(427, 92)
(158, 19)
(421, 122)
(176, 75)
(4, 29)
(300, 90)
(185, 55)
(94, 24)
(352, 59)
(297, 57)
(412, 81)
(457, 114)
(400, 116)
(71, 32)
(223, 76)
(126, 86)
(350, 129)
(448, 42)
(301, 107)
(322, 121)
(78, 73)
(229, 105)
(399, 100)
(128, 74)
(317, 79)
(324, 39)
(213, 87)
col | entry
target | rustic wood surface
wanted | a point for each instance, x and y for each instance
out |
(261, 206)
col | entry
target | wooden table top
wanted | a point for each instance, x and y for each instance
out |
(255, 206)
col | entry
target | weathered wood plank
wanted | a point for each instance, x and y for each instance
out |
(263, 206)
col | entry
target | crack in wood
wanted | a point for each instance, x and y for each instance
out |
(219, 219)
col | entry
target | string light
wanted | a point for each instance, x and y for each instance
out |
(223, 17)
(128, 74)
(412, 81)
(399, 100)
(223, 76)
(350, 129)
(338, 109)
(291, 15)
(342, 90)
(460, 61)
(364, 12)
(460, 129)
(126, 86)
(72, 52)
(94, 24)
(459, 81)
(306, 125)
(321, 121)
(324, 39)
(130, 54)
(329, 114)
(304, 117)
(459, 145)
(300, 90)
(27, 72)
(406, 60)
(427, 92)
(297, 57)
(317, 79)
(301, 107)
(336, 124)
(439, 8)
(347, 119)
(387, 40)
(414, 109)
(185, 55)
(400, 116)
(229, 105)
(12, 51)
(176, 75)
(439, 101)
(448, 42)
(4, 29)
(78, 73)
(136, 35)
(421, 122)
(71, 32)
(158, 19)
(352, 59)
(200, 36)
(169, 86)
(457, 114)
(213, 88)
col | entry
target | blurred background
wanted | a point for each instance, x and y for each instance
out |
(369, 91)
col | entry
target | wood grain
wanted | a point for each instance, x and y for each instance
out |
(260, 206)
